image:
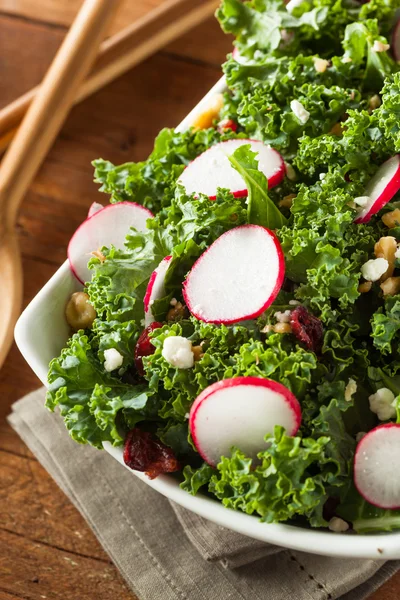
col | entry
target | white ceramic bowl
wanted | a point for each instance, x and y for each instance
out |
(40, 334)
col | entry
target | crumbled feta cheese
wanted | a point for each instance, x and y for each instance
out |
(347, 59)
(373, 269)
(380, 46)
(382, 404)
(350, 390)
(178, 352)
(360, 435)
(294, 302)
(300, 112)
(112, 359)
(283, 317)
(290, 172)
(173, 302)
(338, 525)
(292, 4)
(322, 176)
(187, 415)
(320, 64)
(362, 200)
(397, 253)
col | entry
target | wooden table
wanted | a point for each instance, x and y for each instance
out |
(46, 549)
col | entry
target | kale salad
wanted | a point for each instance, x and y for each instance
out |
(240, 320)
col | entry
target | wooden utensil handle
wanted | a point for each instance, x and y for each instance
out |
(121, 52)
(50, 107)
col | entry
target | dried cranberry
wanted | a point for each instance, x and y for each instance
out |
(144, 347)
(227, 124)
(307, 328)
(144, 452)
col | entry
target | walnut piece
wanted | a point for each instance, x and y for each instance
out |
(392, 218)
(287, 201)
(386, 248)
(365, 287)
(197, 353)
(177, 312)
(391, 286)
(79, 313)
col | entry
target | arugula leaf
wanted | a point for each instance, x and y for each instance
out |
(260, 208)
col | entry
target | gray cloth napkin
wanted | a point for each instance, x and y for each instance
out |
(167, 553)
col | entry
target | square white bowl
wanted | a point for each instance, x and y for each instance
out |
(41, 333)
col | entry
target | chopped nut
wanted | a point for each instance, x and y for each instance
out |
(380, 46)
(282, 328)
(177, 312)
(374, 102)
(197, 353)
(79, 313)
(386, 248)
(392, 218)
(391, 286)
(350, 390)
(337, 129)
(267, 329)
(207, 118)
(365, 287)
(98, 255)
(287, 201)
(320, 64)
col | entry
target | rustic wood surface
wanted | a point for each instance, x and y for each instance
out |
(46, 548)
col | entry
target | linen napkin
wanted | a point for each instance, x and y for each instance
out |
(165, 552)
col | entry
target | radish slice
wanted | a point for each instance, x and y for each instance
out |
(240, 412)
(381, 189)
(395, 45)
(109, 226)
(155, 289)
(376, 473)
(212, 169)
(94, 208)
(237, 278)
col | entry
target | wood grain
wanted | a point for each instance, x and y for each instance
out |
(46, 548)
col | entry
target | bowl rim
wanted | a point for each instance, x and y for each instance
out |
(378, 546)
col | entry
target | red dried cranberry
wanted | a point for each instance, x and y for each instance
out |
(144, 347)
(144, 452)
(227, 124)
(307, 328)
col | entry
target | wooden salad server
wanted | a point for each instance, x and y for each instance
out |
(32, 142)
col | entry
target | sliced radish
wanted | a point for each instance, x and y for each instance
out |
(212, 169)
(94, 208)
(155, 289)
(240, 412)
(395, 45)
(237, 278)
(376, 473)
(109, 226)
(381, 189)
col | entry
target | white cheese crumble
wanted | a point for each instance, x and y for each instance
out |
(381, 404)
(350, 390)
(360, 436)
(290, 172)
(294, 302)
(397, 253)
(292, 4)
(380, 46)
(338, 525)
(322, 176)
(362, 200)
(112, 359)
(320, 64)
(177, 351)
(373, 269)
(300, 112)
(283, 317)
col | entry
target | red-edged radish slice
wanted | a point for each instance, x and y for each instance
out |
(109, 226)
(376, 473)
(381, 189)
(94, 208)
(237, 278)
(212, 169)
(240, 412)
(155, 289)
(395, 45)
